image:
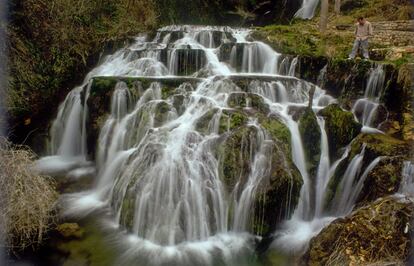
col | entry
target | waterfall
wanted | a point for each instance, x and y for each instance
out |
(407, 182)
(307, 10)
(158, 160)
(366, 108)
(311, 214)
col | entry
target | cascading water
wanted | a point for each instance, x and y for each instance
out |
(312, 213)
(366, 109)
(307, 10)
(407, 183)
(159, 159)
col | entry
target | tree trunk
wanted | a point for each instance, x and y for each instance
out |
(337, 6)
(323, 23)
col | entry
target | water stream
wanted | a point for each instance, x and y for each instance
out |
(367, 109)
(159, 174)
(307, 10)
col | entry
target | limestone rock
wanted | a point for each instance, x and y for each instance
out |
(378, 232)
(70, 230)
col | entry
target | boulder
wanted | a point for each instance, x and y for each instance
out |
(70, 230)
(377, 233)
(311, 139)
(383, 180)
(340, 127)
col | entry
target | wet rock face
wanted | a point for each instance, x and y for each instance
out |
(347, 80)
(383, 180)
(373, 234)
(236, 155)
(235, 149)
(311, 138)
(398, 93)
(340, 126)
(309, 67)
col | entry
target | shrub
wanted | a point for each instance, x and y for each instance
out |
(27, 199)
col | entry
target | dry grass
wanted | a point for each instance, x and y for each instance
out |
(374, 236)
(27, 199)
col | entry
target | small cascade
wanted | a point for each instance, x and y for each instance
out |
(292, 68)
(312, 213)
(307, 10)
(322, 76)
(407, 183)
(367, 108)
(69, 137)
(352, 183)
(68, 149)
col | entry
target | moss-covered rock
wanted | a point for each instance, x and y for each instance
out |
(346, 79)
(311, 139)
(237, 100)
(202, 124)
(383, 180)
(309, 67)
(251, 100)
(231, 120)
(376, 233)
(340, 127)
(398, 92)
(235, 156)
(379, 145)
(70, 230)
(161, 114)
(279, 187)
(385, 177)
(279, 192)
(80, 243)
(276, 129)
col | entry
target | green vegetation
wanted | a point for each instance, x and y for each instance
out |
(53, 43)
(88, 246)
(340, 126)
(303, 37)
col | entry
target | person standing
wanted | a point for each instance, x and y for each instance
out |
(363, 30)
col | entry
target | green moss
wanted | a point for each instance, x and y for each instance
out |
(91, 249)
(234, 156)
(275, 258)
(102, 85)
(340, 127)
(230, 120)
(280, 191)
(52, 53)
(276, 128)
(237, 100)
(311, 139)
(166, 92)
(379, 145)
(383, 179)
